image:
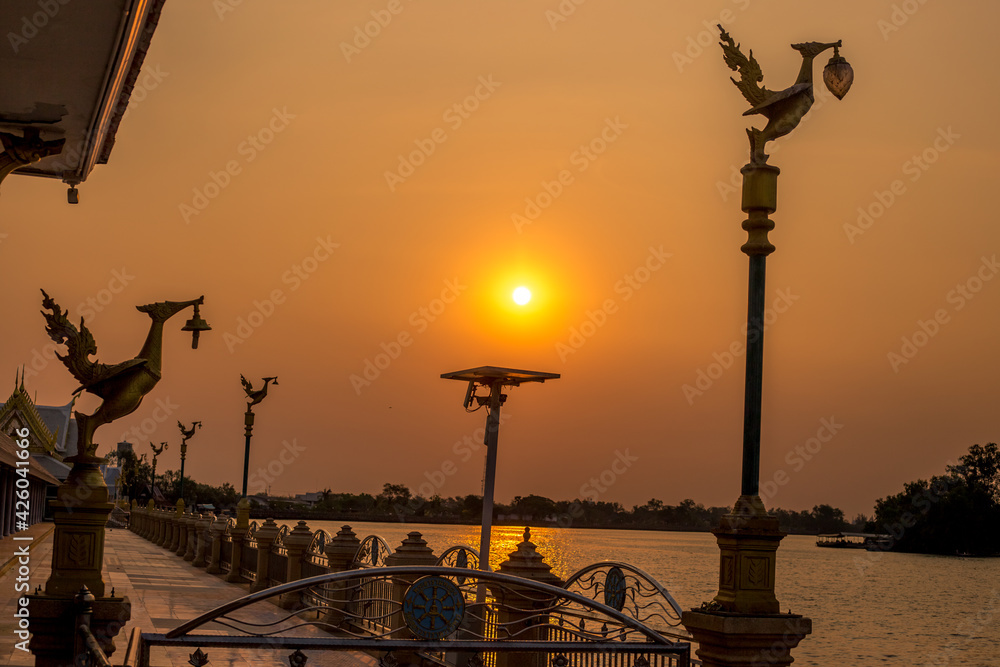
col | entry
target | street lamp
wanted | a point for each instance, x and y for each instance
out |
(745, 617)
(255, 396)
(494, 379)
(186, 434)
(156, 452)
(243, 507)
(81, 505)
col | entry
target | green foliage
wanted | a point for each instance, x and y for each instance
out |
(958, 512)
(135, 473)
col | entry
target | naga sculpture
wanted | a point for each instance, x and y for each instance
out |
(122, 385)
(783, 109)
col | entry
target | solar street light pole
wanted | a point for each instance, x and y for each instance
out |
(492, 434)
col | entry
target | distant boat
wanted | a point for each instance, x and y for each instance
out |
(869, 541)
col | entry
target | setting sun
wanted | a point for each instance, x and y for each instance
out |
(522, 295)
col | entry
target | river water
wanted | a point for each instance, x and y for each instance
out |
(867, 608)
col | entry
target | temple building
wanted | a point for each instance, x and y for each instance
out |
(51, 429)
(44, 433)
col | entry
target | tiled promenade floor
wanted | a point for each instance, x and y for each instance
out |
(165, 590)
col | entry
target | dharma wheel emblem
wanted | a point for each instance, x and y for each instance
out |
(614, 588)
(433, 607)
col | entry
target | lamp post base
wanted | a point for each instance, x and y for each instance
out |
(744, 640)
(748, 540)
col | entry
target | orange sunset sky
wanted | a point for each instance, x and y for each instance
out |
(337, 197)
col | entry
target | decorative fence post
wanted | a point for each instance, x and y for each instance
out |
(175, 526)
(265, 535)
(238, 536)
(218, 531)
(520, 608)
(192, 540)
(412, 551)
(182, 533)
(340, 553)
(165, 527)
(203, 528)
(296, 543)
(160, 529)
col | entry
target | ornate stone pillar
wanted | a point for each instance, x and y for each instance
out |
(203, 529)
(519, 608)
(265, 536)
(81, 512)
(296, 543)
(340, 553)
(192, 539)
(175, 526)
(181, 521)
(412, 551)
(161, 529)
(238, 535)
(218, 530)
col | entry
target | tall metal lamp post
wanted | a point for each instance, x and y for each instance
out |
(81, 505)
(243, 507)
(743, 623)
(494, 379)
(255, 396)
(186, 434)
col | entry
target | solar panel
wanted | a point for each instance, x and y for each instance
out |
(490, 374)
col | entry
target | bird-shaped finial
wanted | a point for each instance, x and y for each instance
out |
(784, 109)
(256, 396)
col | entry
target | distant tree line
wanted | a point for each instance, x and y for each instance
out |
(397, 503)
(954, 513)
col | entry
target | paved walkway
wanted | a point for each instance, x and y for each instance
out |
(165, 590)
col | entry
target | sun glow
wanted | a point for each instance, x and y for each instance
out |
(521, 295)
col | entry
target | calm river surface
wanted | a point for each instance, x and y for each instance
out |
(866, 608)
